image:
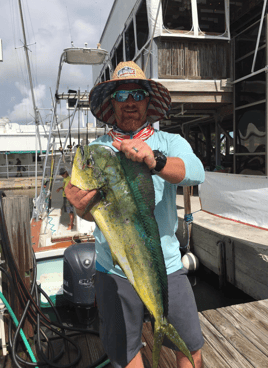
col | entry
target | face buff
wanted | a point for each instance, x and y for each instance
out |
(142, 133)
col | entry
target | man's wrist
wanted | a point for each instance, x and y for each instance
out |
(160, 162)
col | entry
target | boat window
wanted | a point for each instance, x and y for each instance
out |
(245, 42)
(211, 16)
(38, 157)
(251, 90)
(119, 53)
(130, 42)
(107, 73)
(142, 25)
(177, 15)
(250, 131)
(250, 165)
(243, 13)
(102, 78)
(243, 67)
(114, 63)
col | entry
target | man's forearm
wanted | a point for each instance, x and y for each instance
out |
(173, 171)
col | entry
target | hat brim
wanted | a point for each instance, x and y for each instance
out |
(101, 106)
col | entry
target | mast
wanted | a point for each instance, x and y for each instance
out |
(28, 64)
(36, 112)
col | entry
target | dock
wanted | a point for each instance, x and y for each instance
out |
(235, 337)
(237, 252)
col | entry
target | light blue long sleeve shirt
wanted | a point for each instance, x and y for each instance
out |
(171, 145)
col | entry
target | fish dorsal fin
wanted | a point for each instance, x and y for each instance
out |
(141, 185)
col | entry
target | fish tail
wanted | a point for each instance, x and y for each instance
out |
(160, 330)
(159, 335)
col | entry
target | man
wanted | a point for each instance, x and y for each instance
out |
(19, 167)
(130, 103)
(67, 206)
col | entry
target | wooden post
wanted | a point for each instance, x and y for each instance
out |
(17, 218)
(187, 208)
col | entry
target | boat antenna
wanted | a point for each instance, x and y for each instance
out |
(70, 137)
(78, 118)
(72, 43)
(87, 130)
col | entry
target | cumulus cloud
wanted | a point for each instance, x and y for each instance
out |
(23, 111)
(50, 27)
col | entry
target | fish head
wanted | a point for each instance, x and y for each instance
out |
(90, 166)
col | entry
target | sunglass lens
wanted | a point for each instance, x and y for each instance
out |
(122, 96)
(138, 95)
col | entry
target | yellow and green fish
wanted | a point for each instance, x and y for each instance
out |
(124, 211)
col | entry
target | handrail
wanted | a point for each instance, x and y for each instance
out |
(7, 171)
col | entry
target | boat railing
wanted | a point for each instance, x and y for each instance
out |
(10, 171)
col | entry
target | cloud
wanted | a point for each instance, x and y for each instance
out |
(23, 111)
(50, 27)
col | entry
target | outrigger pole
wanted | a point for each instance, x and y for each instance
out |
(36, 112)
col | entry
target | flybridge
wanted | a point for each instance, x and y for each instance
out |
(132, 24)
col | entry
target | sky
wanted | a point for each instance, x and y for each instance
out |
(50, 27)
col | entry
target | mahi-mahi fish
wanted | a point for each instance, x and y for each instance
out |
(123, 209)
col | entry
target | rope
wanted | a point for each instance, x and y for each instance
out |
(188, 218)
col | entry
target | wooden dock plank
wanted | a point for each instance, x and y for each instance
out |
(211, 358)
(221, 346)
(253, 317)
(95, 349)
(243, 346)
(235, 337)
(246, 328)
(167, 356)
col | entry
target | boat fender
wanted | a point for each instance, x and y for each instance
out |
(190, 262)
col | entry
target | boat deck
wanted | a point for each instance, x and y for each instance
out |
(235, 337)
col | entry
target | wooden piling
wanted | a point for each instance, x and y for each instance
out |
(187, 210)
(17, 217)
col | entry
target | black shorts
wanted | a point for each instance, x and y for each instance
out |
(121, 313)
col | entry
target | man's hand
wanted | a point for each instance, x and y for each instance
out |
(61, 188)
(79, 199)
(137, 150)
(174, 170)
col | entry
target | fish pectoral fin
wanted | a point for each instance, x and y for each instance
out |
(173, 336)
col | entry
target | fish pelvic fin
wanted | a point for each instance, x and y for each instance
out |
(165, 328)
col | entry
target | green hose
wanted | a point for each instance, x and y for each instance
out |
(103, 364)
(24, 337)
(21, 332)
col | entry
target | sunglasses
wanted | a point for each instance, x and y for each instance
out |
(137, 94)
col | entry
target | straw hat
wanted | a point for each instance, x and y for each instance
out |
(128, 72)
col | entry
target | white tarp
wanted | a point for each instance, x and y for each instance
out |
(237, 197)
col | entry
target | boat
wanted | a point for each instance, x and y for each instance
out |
(211, 55)
(39, 243)
(49, 224)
